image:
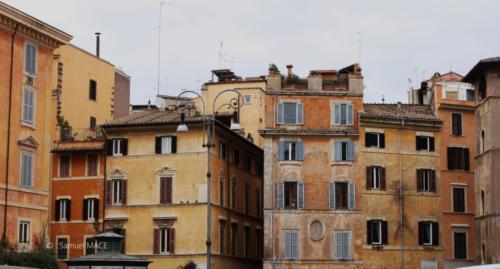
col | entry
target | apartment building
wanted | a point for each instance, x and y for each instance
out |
(485, 76)
(312, 211)
(27, 47)
(156, 190)
(401, 189)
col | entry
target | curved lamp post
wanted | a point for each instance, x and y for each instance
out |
(209, 124)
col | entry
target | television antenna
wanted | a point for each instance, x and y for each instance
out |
(159, 27)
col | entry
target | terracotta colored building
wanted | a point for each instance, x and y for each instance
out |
(485, 76)
(156, 191)
(312, 210)
(401, 191)
(27, 46)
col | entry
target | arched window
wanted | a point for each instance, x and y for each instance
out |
(481, 88)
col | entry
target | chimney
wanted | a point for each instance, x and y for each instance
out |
(97, 44)
(289, 68)
(398, 105)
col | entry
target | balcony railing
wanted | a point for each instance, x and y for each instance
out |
(80, 134)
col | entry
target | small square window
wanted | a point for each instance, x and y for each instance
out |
(247, 99)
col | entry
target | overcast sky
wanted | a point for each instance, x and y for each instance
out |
(399, 41)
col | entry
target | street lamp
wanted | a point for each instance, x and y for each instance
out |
(209, 124)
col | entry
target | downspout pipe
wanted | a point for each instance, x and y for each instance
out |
(104, 179)
(4, 233)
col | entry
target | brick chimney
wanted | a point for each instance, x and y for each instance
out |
(289, 70)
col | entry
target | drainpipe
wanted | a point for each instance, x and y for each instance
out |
(4, 234)
(104, 180)
(401, 218)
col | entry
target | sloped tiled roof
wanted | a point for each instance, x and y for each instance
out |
(478, 68)
(401, 111)
(149, 117)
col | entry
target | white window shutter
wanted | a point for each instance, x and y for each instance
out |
(300, 195)
(345, 245)
(350, 151)
(280, 113)
(338, 245)
(338, 151)
(300, 113)
(281, 150)
(352, 195)
(350, 115)
(299, 151)
(331, 188)
(349, 245)
(281, 195)
(287, 245)
(295, 245)
(336, 114)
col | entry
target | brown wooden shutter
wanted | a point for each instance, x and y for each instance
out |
(96, 209)
(162, 190)
(156, 241)
(419, 180)
(384, 232)
(109, 188)
(109, 147)
(168, 190)
(466, 159)
(68, 210)
(421, 233)
(382, 178)
(431, 143)
(124, 147)
(432, 180)
(369, 178)
(451, 160)
(368, 232)
(124, 191)
(85, 208)
(172, 240)
(435, 234)
(382, 140)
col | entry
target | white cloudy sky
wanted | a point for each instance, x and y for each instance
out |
(399, 40)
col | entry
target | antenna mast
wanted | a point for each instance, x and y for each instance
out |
(159, 49)
(359, 48)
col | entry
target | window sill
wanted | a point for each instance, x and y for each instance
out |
(297, 163)
(427, 193)
(377, 246)
(28, 125)
(342, 163)
(425, 247)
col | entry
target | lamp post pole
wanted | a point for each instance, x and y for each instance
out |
(209, 124)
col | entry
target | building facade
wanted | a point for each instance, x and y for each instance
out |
(401, 191)
(156, 191)
(121, 97)
(27, 46)
(312, 211)
(485, 76)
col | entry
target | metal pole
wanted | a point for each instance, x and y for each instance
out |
(209, 194)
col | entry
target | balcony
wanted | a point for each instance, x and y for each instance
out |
(69, 134)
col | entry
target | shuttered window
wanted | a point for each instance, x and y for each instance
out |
(343, 114)
(63, 210)
(343, 247)
(92, 165)
(90, 209)
(222, 236)
(456, 123)
(117, 147)
(234, 238)
(375, 140)
(26, 169)
(426, 180)
(164, 241)
(342, 195)
(459, 199)
(30, 59)
(92, 90)
(62, 248)
(425, 143)
(344, 151)
(291, 151)
(291, 245)
(222, 150)
(24, 232)
(291, 195)
(428, 233)
(166, 190)
(64, 165)
(116, 192)
(376, 233)
(165, 144)
(458, 158)
(375, 178)
(290, 113)
(28, 105)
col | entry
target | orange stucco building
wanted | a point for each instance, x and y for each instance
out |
(27, 46)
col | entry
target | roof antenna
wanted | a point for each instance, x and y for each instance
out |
(220, 54)
(162, 3)
(383, 99)
(359, 48)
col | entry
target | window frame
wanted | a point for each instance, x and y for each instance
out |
(62, 237)
(164, 149)
(349, 144)
(31, 178)
(299, 112)
(90, 214)
(24, 120)
(465, 232)
(376, 177)
(379, 140)
(464, 189)
(461, 124)
(164, 242)
(428, 143)
(431, 239)
(25, 64)
(24, 236)
(87, 165)
(60, 165)
(247, 99)
(117, 192)
(349, 121)
(292, 245)
(344, 256)
(92, 90)
(117, 144)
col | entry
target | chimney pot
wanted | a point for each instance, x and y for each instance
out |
(289, 68)
(97, 44)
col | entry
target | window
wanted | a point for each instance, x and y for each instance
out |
(234, 238)
(342, 195)
(343, 245)
(63, 210)
(459, 199)
(259, 244)
(165, 190)
(376, 233)
(428, 233)
(456, 122)
(117, 147)
(470, 95)
(26, 169)
(460, 245)
(64, 165)
(344, 151)
(28, 105)
(62, 248)
(291, 245)
(257, 203)
(452, 95)
(30, 59)
(24, 232)
(291, 195)
(167, 240)
(375, 140)
(90, 246)
(247, 99)
(93, 90)
(235, 156)
(290, 113)
(426, 180)
(425, 143)
(343, 114)
(222, 150)
(222, 236)
(221, 191)
(375, 178)
(246, 238)
(92, 123)
(458, 158)
(92, 165)
(166, 144)
(291, 151)
(90, 209)
(246, 198)
(116, 192)
(247, 162)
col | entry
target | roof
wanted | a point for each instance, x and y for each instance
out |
(66, 146)
(399, 111)
(149, 117)
(15, 267)
(448, 77)
(478, 68)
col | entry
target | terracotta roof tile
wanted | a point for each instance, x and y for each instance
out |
(153, 117)
(404, 111)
